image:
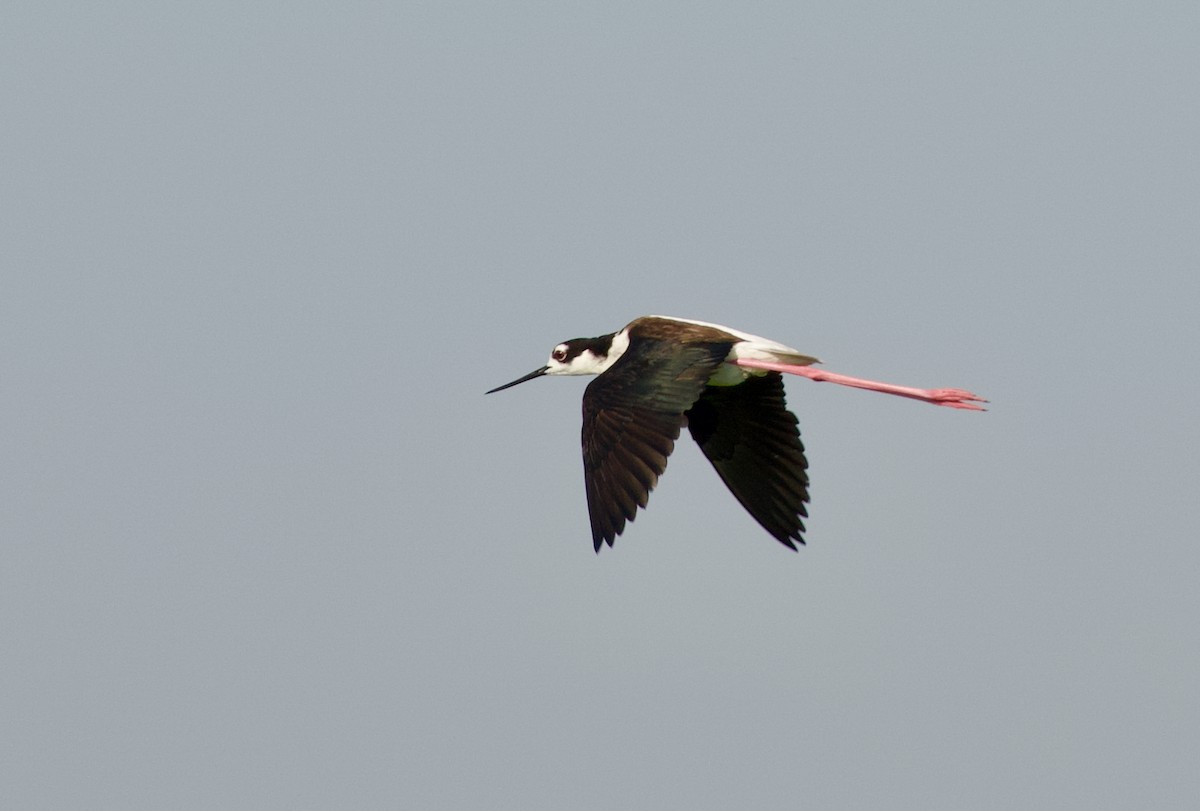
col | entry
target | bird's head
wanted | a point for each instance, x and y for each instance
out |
(578, 356)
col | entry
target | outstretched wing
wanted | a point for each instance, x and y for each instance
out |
(632, 415)
(751, 438)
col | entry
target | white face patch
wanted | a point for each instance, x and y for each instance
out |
(586, 362)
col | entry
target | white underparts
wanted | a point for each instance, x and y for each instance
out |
(755, 348)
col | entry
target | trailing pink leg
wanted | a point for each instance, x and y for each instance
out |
(951, 398)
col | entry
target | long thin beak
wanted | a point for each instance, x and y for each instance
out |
(530, 376)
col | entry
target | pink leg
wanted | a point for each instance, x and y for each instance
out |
(951, 398)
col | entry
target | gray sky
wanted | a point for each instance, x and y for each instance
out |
(265, 544)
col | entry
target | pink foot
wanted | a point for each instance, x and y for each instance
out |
(951, 398)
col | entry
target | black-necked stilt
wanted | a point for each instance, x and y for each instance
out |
(660, 373)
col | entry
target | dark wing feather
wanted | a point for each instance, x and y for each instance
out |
(632, 415)
(751, 438)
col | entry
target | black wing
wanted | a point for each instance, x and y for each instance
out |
(632, 415)
(751, 438)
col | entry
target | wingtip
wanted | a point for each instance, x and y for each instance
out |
(790, 542)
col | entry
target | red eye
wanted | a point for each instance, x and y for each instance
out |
(559, 354)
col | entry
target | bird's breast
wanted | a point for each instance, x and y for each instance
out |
(729, 375)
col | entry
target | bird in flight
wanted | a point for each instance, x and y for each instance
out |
(659, 374)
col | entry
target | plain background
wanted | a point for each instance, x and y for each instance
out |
(265, 544)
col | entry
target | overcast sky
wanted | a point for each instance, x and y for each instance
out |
(265, 544)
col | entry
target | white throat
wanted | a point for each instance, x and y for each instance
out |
(620, 343)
